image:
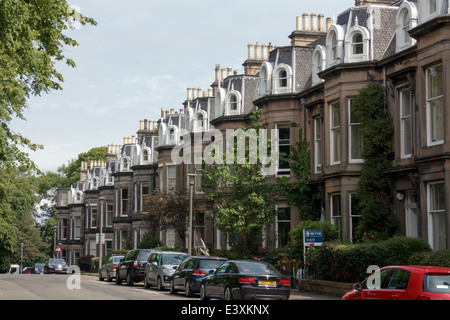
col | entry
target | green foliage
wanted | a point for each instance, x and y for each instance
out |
(243, 201)
(373, 190)
(398, 250)
(440, 258)
(17, 204)
(149, 241)
(330, 233)
(337, 261)
(32, 40)
(72, 170)
(300, 194)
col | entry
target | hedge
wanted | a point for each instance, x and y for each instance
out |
(337, 261)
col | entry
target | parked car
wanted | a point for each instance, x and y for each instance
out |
(132, 266)
(190, 273)
(108, 270)
(160, 267)
(245, 280)
(13, 268)
(403, 283)
(55, 265)
(38, 268)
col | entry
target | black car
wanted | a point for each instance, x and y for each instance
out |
(38, 268)
(55, 265)
(190, 273)
(132, 267)
(245, 280)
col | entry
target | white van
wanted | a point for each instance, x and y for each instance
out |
(13, 268)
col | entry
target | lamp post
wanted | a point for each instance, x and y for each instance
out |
(21, 257)
(191, 177)
(100, 237)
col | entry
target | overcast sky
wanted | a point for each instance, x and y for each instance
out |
(141, 57)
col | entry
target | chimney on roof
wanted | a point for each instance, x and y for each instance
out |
(373, 2)
(257, 54)
(308, 29)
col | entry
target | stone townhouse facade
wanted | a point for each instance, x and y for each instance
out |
(308, 85)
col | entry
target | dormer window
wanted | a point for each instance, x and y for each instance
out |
(429, 9)
(282, 79)
(95, 183)
(406, 20)
(319, 64)
(357, 44)
(334, 45)
(233, 103)
(171, 136)
(125, 164)
(282, 83)
(200, 121)
(264, 82)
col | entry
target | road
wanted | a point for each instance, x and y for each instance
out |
(83, 287)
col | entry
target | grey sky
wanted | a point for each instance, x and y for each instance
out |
(141, 57)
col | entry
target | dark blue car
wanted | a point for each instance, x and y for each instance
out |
(190, 273)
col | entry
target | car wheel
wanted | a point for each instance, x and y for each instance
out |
(172, 287)
(118, 280)
(100, 278)
(146, 283)
(108, 277)
(187, 289)
(130, 280)
(227, 294)
(159, 285)
(203, 295)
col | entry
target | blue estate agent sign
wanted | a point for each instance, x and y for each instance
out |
(312, 236)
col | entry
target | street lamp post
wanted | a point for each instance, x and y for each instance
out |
(191, 177)
(100, 237)
(21, 257)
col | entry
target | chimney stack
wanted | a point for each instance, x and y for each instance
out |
(308, 29)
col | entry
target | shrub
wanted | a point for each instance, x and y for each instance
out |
(337, 261)
(439, 258)
(398, 250)
(149, 241)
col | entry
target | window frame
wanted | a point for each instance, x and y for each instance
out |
(351, 127)
(433, 214)
(406, 148)
(335, 135)
(429, 107)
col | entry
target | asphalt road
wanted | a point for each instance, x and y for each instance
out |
(83, 287)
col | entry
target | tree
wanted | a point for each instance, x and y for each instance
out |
(166, 211)
(32, 40)
(243, 200)
(17, 204)
(72, 170)
(300, 193)
(373, 189)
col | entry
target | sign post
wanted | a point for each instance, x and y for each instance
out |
(311, 238)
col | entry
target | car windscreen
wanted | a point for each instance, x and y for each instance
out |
(436, 283)
(57, 261)
(143, 255)
(175, 258)
(209, 264)
(257, 268)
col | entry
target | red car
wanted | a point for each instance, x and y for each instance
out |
(403, 283)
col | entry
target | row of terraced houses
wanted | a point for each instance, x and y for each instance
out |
(310, 84)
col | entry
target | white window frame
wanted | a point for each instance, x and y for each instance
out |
(319, 63)
(91, 222)
(265, 79)
(280, 206)
(318, 144)
(277, 88)
(334, 217)
(282, 171)
(228, 103)
(351, 127)
(403, 39)
(411, 215)
(350, 55)
(335, 135)
(353, 215)
(430, 101)
(404, 118)
(432, 213)
(334, 45)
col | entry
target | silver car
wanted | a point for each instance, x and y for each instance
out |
(108, 270)
(160, 267)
